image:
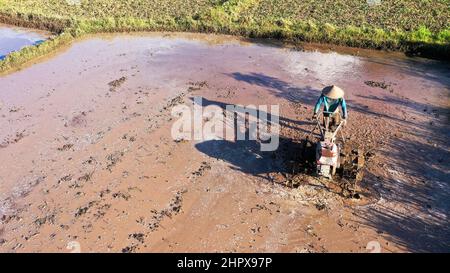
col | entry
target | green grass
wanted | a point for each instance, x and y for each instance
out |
(405, 15)
(418, 26)
(91, 9)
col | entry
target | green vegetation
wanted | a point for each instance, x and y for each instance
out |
(95, 9)
(405, 15)
(417, 26)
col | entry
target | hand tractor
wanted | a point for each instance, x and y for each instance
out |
(327, 150)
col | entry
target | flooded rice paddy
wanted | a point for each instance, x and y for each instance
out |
(87, 153)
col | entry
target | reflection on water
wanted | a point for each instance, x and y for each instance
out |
(325, 67)
(13, 39)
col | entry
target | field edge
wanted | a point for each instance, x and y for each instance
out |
(225, 18)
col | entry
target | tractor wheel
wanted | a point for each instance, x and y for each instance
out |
(338, 164)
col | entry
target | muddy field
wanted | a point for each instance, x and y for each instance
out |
(88, 162)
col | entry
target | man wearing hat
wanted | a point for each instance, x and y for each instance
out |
(332, 96)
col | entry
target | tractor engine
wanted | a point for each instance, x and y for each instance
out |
(327, 158)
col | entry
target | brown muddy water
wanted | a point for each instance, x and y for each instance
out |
(89, 164)
(15, 38)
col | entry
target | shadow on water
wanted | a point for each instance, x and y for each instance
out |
(304, 95)
(246, 155)
(286, 122)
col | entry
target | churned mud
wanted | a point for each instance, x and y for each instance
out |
(88, 159)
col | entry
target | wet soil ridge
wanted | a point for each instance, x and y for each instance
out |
(9, 210)
(155, 222)
(12, 139)
(382, 85)
(114, 85)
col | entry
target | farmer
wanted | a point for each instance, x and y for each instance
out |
(332, 96)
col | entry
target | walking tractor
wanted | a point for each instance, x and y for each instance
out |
(329, 122)
(330, 152)
(327, 150)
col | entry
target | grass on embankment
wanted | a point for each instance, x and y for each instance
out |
(420, 27)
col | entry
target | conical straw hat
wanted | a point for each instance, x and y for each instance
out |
(333, 92)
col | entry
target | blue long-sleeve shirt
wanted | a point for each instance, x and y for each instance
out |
(330, 105)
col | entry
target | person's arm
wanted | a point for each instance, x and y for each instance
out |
(318, 104)
(344, 108)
